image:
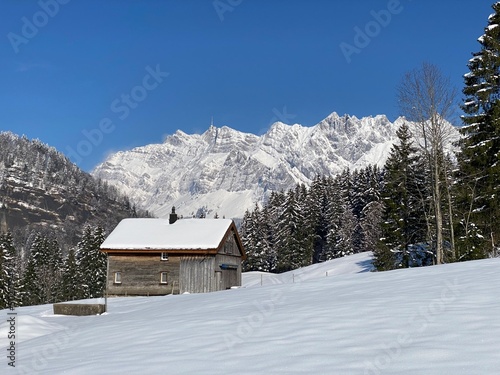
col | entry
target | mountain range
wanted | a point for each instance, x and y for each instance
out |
(224, 171)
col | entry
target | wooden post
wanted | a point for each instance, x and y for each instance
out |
(261, 279)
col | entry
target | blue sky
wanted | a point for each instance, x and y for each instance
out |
(91, 77)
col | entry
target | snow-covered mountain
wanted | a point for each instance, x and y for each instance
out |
(225, 171)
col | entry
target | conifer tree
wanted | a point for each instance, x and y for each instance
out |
(317, 208)
(254, 240)
(92, 262)
(31, 292)
(42, 275)
(9, 275)
(266, 228)
(403, 198)
(479, 159)
(342, 221)
(70, 288)
(246, 234)
(291, 243)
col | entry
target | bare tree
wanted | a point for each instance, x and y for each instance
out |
(427, 99)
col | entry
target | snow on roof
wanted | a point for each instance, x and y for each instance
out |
(158, 234)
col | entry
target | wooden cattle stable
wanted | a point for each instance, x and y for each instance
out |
(157, 257)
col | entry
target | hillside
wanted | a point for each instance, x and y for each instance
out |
(433, 320)
(40, 189)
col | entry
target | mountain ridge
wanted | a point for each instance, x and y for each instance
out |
(226, 171)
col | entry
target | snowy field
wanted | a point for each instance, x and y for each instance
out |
(433, 321)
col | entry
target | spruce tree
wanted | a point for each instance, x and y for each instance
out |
(291, 243)
(92, 262)
(266, 230)
(31, 291)
(403, 197)
(317, 208)
(41, 278)
(341, 218)
(9, 275)
(479, 159)
(70, 287)
(254, 241)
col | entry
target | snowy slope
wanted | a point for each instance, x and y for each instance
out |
(226, 171)
(434, 321)
(348, 265)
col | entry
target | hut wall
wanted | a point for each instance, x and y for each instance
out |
(197, 274)
(229, 276)
(140, 275)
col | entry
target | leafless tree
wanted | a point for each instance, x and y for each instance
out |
(427, 99)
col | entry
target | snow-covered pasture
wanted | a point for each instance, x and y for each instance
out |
(433, 320)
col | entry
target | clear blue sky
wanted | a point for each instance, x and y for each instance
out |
(101, 67)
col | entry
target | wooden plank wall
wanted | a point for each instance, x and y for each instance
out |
(141, 275)
(197, 274)
(229, 277)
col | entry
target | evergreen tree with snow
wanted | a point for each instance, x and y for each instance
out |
(266, 227)
(246, 234)
(403, 197)
(291, 237)
(92, 262)
(9, 275)
(341, 219)
(254, 241)
(70, 288)
(479, 158)
(41, 278)
(31, 292)
(317, 213)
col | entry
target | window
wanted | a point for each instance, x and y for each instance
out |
(164, 256)
(163, 278)
(118, 277)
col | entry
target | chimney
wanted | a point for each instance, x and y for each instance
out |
(173, 216)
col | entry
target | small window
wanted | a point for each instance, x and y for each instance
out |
(163, 278)
(164, 256)
(118, 277)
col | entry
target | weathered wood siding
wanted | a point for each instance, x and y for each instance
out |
(228, 277)
(229, 255)
(140, 275)
(197, 274)
(230, 246)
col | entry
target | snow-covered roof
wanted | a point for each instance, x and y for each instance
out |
(158, 234)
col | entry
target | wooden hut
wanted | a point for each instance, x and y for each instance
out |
(159, 256)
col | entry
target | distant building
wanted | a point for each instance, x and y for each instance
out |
(160, 256)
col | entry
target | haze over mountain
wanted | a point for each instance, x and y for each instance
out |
(225, 171)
